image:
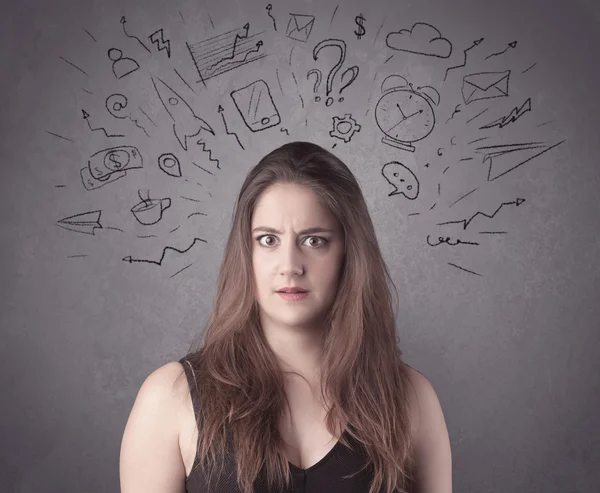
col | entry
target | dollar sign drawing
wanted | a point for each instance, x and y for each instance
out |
(359, 19)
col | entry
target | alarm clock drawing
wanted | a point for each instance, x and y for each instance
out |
(405, 114)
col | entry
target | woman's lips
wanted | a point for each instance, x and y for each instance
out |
(291, 296)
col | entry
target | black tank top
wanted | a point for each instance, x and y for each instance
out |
(326, 476)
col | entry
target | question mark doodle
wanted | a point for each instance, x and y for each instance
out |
(333, 72)
(354, 71)
(319, 75)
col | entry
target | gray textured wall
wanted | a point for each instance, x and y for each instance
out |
(498, 307)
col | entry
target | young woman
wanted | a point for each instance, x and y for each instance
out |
(292, 393)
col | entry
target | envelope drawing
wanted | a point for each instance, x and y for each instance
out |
(485, 85)
(300, 26)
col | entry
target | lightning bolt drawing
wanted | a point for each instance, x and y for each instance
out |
(158, 38)
(204, 149)
(513, 116)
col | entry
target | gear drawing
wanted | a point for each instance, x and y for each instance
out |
(344, 128)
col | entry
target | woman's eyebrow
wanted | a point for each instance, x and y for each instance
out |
(304, 231)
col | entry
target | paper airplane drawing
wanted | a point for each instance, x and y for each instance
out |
(505, 158)
(187, 124)
(85, 222)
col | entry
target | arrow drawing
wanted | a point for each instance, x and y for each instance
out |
(465, 222)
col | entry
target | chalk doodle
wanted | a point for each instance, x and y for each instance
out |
(477, 42)
(344, 128)
(268, 8)
(164, 252)
(186, 123)
(123, 21)
(208, 55)
(465, 222)
(90, 35)
(421, 39)
(108, 165)
(353, 71)
(360, 22)
(169, 164)
(447, 241)
(157, 37)
(485, 85)
(333, 15)
(463, 269)
(402, 179)
(456, 110)
(405, 114)
(513, 116)
(60, 136)
(319, 76)
(221, 111)
(150, 211)
(202, 144)
(256, 106)
(300, 26)
(86, 222)
(512, 44)
(505, 158)
(121, 66)
(478, 114)
(86, 117)
(116, 104)
(529, 68)
(74, 66)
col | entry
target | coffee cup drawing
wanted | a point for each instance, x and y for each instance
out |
(150, 211)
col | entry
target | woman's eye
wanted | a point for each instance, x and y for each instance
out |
(321, 239)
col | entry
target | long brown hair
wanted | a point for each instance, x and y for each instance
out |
(239, 379)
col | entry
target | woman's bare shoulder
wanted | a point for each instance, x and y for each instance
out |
(169, 382)
(419, 392)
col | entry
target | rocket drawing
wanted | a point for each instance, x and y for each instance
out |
(187, 124)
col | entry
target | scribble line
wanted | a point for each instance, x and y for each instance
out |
(475, 43)
(334, 12)
(146, 115)
(527, 69)
(181, 270)
(196, 214)
(190, 199)
(184, 81)
(297, 87)
(477, 140)
(466, 222)
(90, 35)
(227, 130)
(164, 252)
(462, 268)
(471, 119)
(60, 136)
(279, 81)
(380, 28)
(203, 169)
(460, 198)
(73, 65)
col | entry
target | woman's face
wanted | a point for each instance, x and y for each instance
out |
(285, 254)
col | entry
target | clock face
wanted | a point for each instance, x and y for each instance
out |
(404, 116)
